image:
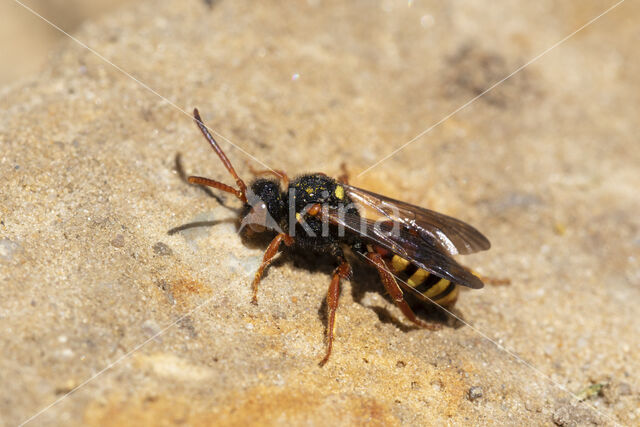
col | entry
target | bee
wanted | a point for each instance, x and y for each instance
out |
(317, 213)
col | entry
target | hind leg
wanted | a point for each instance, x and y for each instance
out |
(391, 285)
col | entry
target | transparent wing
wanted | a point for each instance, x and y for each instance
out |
(450, 234)
(425, 253)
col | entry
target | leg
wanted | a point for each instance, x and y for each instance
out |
(494, 281)
(344, 176)
(391, 285)
(271, 252)
(342, 272)
(277, 173)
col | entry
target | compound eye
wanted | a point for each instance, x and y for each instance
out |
(257, 218)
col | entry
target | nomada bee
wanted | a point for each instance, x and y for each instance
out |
(324, 215)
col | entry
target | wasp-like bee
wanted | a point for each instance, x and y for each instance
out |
(325, 215)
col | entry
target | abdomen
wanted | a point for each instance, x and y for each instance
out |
(431, 288)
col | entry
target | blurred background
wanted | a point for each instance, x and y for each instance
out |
(26, 40)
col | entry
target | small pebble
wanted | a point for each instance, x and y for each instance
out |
(151, 329)
(579, 415)
(475, 392)
(624, 389)
(162, 249)
(118, 241)
(7, 249)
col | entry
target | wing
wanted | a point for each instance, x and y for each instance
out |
(425, 253)
(450, 234)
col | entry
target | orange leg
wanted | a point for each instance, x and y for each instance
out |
(391, 285)
(493, 281)
(271, 252)
(342, 272)
(344, 176)
(277, 173)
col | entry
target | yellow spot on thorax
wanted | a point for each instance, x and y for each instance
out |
(339, 192)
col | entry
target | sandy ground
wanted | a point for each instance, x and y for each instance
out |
(26, 40)
(122, 280)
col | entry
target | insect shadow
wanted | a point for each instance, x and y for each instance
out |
(178, 167)
(183, 177)
(364, 279)
(197, 224)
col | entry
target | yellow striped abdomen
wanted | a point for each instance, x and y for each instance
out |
(431, 287)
